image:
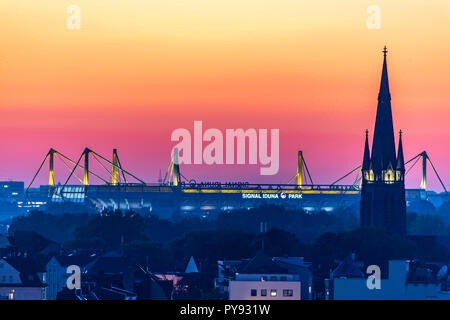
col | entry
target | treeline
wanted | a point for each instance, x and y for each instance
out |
(167, 245)
(63, 227)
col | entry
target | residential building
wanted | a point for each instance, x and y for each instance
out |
(57, 269)
(405, 280)
(265, 278)
(22, 278)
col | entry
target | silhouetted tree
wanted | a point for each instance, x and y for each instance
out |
(59, 228)
(113, 227)
(152, 254)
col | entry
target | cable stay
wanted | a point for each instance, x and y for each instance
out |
(423, 184)
(357, 179)
(115, 175)
(425, 158)
(173, 175)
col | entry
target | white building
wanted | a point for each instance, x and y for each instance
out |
(20, 279)
(265, 278)
(253, 287)
(401, 284)
(57, 270)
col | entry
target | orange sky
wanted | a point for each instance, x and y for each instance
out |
(138, 69)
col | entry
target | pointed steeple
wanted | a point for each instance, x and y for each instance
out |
(383, 203)
(384, 94)
(400, 158)
(383, 146)
(366, 158)
(191, 266)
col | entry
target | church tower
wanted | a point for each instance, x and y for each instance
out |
(383, 203)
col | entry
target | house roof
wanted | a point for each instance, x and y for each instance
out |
(28, 269)
(191, 266)
(25, 264)
(110, 265)
(114, 294)
(292, 265)
(4, 242)
(30, 241)
(262, 263)
(81, 259)
(347, 268)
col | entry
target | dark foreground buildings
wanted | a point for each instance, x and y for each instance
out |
(383, 202)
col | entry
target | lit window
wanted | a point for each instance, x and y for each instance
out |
(369, 175)
(253, 292)
(273, 292)
(288, 293)
(11, 294)
(389, 176)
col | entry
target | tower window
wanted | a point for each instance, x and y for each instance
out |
(368, 175)
(388, 176)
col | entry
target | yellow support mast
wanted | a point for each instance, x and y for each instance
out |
(300, 169)
(423, 182)
(86, 167)
(51, 180)
(176, 168)
(114, 170)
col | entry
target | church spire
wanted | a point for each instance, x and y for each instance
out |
(384, 93)
(366, 158)
(400, 158)
(383, 146)
(383, 203)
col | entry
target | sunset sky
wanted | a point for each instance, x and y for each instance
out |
(139, 69)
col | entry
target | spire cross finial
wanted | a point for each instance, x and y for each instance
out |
(400, 132)
(385, 51)
(367, 132)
